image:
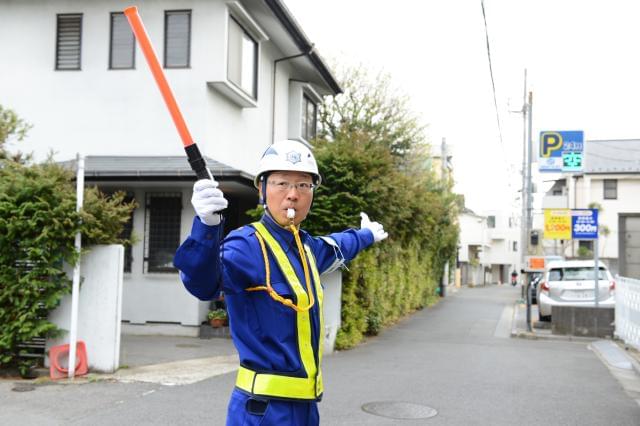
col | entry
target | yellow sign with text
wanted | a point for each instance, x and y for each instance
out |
(557, 224)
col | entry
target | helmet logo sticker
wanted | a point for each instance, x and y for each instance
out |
(293, 157)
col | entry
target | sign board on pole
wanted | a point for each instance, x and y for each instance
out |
(561, 151)
(584, 224)
(534, 264)
(557, 224)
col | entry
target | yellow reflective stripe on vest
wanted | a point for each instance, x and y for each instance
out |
(282, 386)
(320, 295)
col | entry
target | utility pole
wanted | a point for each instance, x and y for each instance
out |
(523, 193)
(443, 177)
(529, 177)
(527, 283)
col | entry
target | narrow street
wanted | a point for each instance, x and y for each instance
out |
(455, 358)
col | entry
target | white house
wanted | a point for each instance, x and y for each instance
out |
(611, 179)
(488, 247)
(243, 72)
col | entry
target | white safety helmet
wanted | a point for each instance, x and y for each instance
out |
(287, 155)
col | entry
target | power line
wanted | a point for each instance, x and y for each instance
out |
(493, 84)
(509, 167)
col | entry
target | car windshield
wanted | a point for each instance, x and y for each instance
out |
(582, 273)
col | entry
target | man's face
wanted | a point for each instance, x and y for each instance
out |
(289, 190)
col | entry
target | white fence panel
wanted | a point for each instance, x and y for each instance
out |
(628, 310)
(99, 310)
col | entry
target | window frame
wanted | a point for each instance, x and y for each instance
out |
(133, 50)
(147, 251)
(304, 125)
(256, 57)
(57, 51)
(189, 13)
(606, 190)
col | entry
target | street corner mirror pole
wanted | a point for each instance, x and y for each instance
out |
(196, 161)
(596, 260)
(527, 278)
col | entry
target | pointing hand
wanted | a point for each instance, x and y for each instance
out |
(376, 229)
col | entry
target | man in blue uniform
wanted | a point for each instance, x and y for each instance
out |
(270, 274)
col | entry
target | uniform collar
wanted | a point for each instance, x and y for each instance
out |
(283, 235)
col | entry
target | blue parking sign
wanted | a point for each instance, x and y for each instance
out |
(584, 224)
(561, 151)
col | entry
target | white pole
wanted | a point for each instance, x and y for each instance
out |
(75, 292)
(596, 259)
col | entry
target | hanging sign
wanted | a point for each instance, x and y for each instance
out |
(557, 224)
(584, 224)
(561, 151)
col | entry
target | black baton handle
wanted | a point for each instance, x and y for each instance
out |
(197, 163)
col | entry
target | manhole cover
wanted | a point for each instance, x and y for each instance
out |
(399, 410)
(187, 345)
(23, 388)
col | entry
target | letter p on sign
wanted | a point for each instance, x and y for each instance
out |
(549, 143)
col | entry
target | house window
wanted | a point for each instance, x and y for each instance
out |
(610, 189)
(242, 60)
(162, 230)
(122, 46)
(491, 221)
(515, 246)
(177, 38)
(309, 118)
(68, 41)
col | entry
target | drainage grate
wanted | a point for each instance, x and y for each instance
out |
(399, 410)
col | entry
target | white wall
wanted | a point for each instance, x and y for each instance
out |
(592, 190)
(332, 283)
(99, 310)
(98, 111)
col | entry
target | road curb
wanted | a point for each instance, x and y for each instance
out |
(532, 335)
(177, 372)
(634, 357)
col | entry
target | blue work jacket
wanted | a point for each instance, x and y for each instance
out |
(263, 330)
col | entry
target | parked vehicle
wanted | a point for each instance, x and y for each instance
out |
(572, 283)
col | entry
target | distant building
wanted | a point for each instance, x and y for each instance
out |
(611, 180)
(488, 249)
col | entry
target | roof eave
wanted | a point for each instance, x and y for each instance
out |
(291, 26)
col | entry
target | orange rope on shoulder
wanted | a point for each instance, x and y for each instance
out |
(274, 295)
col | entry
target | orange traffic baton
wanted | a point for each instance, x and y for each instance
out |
(193, 153)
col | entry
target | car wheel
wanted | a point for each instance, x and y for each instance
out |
(546, 318)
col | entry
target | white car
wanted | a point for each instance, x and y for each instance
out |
(572, 283)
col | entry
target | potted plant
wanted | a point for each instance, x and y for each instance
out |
(217, 318)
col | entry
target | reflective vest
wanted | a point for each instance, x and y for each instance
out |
(283, 385)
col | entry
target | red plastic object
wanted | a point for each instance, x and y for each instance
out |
(58, 353)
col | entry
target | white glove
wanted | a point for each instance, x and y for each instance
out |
(376, 228)
(207, 201)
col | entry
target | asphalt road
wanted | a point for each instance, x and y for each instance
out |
(454, 358)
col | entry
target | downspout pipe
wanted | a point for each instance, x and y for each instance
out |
(273, 87)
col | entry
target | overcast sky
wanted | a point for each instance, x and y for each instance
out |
(582, 58)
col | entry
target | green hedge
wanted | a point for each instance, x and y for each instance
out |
(385, 283)
(38, 224)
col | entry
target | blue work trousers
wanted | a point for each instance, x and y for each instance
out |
(244, 412)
